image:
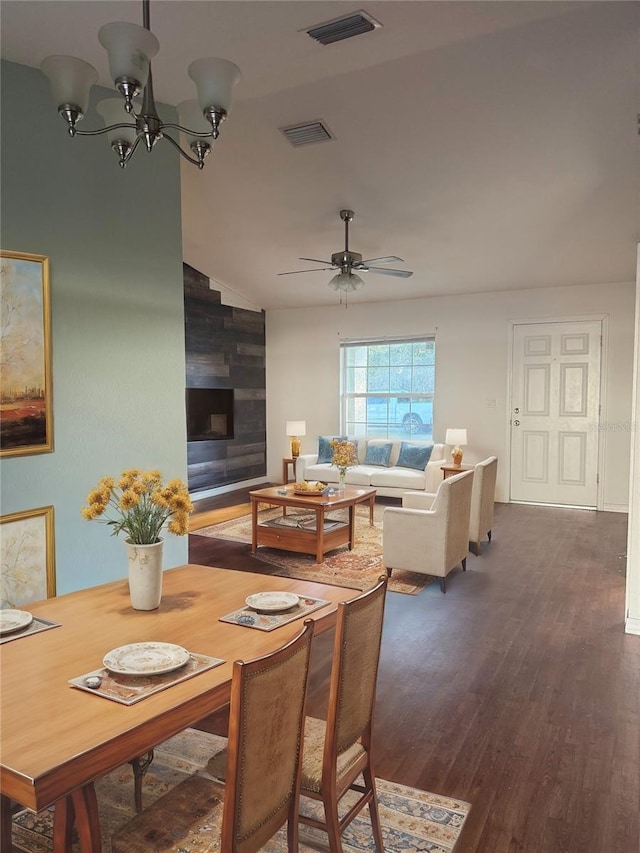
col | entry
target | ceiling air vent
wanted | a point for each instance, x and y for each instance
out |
(307, 133)
(343, 28)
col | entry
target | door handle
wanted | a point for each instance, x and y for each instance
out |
(516, 423)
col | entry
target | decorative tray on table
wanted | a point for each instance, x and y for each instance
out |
(311, 488)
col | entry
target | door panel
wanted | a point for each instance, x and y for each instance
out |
(554, 413)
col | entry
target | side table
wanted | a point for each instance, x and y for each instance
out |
(450, 470)
(286, 461)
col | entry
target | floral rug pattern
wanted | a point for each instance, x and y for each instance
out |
(412, 820)
(359, 568)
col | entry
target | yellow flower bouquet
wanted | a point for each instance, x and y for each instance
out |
(344, 456)
(143, 505)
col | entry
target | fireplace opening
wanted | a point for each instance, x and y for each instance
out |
(209, 414)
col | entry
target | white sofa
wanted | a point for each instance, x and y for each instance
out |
(389, 481)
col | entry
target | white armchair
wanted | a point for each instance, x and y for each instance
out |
(432, 540)
(483, 497)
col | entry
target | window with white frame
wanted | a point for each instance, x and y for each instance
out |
(388, 386)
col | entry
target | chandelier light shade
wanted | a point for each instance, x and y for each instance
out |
(131, 49)
(294, 430)
(71, 80)
(457, 438)
(121, 135)
(215, 80)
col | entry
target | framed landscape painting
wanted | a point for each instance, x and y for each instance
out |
(27, 561)
(26, 414)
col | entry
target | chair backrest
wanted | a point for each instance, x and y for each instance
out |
(266, 729)
(453, 501)
(483, 497)
(354, 672)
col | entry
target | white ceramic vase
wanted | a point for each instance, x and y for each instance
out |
(145, 575)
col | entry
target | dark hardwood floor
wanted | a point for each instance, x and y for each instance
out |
(517, 691)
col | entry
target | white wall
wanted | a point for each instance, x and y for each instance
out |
(632, 621)
(472, 362)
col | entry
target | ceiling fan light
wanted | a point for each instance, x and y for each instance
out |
(346, 281)
(130, 48)
(71, 80)
(214, 79)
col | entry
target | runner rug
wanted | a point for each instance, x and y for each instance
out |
(359, 568)
(412, 820)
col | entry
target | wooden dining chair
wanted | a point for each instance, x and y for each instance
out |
(338, 751)
(262, 788)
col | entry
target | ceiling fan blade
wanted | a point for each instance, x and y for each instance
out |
(314, 261)
(383, 271)
(295, 272)
(390, 259)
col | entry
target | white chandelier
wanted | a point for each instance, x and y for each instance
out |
(131, 48)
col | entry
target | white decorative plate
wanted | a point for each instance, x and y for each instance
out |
(145, 659)
(14, 620)
(272, 602)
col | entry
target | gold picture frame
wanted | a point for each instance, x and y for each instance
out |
(26, 408)
(27, 557)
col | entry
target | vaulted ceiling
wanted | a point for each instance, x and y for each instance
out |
(491, 145)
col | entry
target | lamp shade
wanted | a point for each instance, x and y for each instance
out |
(456, 437)
(71, 80)
(113, 112)
(130, 48)
(214, 79)
(346, 281)
(296, 428)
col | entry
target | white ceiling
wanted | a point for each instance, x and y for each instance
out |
(492, 145)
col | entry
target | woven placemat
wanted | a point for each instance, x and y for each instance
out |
(128, 689)
(250, 618)
(33, 627)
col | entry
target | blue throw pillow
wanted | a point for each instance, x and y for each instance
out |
(378, 454)
(414, 456)
(325, 451)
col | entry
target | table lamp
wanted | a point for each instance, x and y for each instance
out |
(294, 430)
(457, 438)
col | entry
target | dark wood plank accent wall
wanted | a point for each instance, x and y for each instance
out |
(225, 348)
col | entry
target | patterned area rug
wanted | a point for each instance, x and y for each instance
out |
(412, 820)
(359, 568)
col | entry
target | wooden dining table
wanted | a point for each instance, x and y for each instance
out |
(56, 739)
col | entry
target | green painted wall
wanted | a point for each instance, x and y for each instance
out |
(113, 238)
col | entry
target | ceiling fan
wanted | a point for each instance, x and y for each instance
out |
(349, 262)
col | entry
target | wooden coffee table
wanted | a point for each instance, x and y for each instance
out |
(316, 538)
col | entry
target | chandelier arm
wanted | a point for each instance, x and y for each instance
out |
(102, 130)
(198, 163)
(186, 130)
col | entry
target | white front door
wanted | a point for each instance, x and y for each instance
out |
(554, 412)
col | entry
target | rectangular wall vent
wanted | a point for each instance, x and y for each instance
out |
(307, 133)
(343, 28)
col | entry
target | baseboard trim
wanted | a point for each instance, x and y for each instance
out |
(616, 508)
(632, 625)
